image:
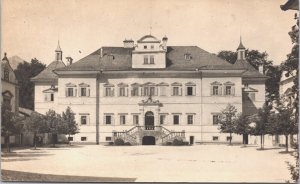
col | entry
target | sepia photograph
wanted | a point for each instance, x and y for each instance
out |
(97, 91)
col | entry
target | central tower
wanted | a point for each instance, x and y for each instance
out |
(149, 53)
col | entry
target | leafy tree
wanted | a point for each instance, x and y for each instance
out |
(36, 124)
(284, 122)
(262, 123)
(11, 124)
(69, 119)
(256, 58)
(24, 72)
(294, 169)
(227, 120)
(242, 126)
(56, 125)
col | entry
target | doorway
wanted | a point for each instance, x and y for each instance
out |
(149, 120)
(148, 140)
(191, 140)
(245, 138)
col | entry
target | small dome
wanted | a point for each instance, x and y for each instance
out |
(148, 38)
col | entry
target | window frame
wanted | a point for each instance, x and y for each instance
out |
(188, 119)
(151, 60)
(83, 117)
(146, 60)
(174, 119)
(122, 119)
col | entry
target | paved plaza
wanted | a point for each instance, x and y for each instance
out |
(209, 163)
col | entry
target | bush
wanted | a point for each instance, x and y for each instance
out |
(110, 143)
(127, 144)
(119, 142)
(179, 142)
(168, 143)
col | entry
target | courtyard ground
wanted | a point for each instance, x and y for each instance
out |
(204, 163)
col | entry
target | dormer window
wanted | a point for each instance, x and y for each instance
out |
(187, 56)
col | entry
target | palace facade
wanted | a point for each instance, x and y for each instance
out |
(149, 93)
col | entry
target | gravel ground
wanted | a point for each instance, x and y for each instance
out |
(202, 163)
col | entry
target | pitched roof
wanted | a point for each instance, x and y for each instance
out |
(250, 70)
(241, 46)
(119, 58)
(47, 74)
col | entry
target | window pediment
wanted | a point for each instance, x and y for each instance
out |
(190, 84)
(108, 85)
(149, 84)
(163, 84)
(176, 84)
(122, 85)
(135, 84)
(228, 83)
(216, 83)
(70, 84)
(83, 85)
(7, 94)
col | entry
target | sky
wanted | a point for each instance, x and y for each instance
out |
(32, 28)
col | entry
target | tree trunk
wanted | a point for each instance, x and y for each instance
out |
(230, 138)
(6, 139)
(261, 142)
(286, 143)
(34, 140)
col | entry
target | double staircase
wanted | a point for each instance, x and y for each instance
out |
(135, 135)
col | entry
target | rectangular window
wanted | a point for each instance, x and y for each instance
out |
(151, 59)
(135, 91)
(145, 46)
(152, 46)
(152, 91)
(215, 90)
(215, 119)
(228, 90)
(122, 119)
(190, 119)
(215, 138)
(107, 138)
(108, 92)
(176, 119)
(83, 120)
(162, 90)
(52, 97)
(70, 138)
(189, 91)
(146, 59)
(176, 91)
(83, 91)
(146, 91)
(162, 119)
(83, 138)
(108, 120)
(122, 91)
(70, 92)
(135, 119)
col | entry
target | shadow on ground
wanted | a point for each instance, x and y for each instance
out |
(8, 175)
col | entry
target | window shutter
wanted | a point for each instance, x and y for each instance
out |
(233, 90)
(46, 97)
(113, 92)
(88, 92)
(224, 90)
(180, 91)
(156, 91)
(220, 90)
(186, 90)
(79, 93)
(131, 91)
(75, 94)
(88, 120)
(142, 91)
(194, 90)
(127, 92)
(104, 120)
(211, 90)
(66, 91)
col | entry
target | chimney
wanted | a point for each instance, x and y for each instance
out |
(69, 60)
(261, 69)
(128, 43)
(164, 41)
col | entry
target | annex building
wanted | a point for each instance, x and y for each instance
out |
(148, 92)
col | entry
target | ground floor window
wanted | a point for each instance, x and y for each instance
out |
(70, 138)
(83, 139)
(228, 138)
(122, 119)
(108, 120)
(190, 119)
(176, 119)
(162, 119)
(107, 138)
(135, 119)
(215, 138)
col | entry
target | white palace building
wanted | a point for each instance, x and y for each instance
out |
(148, 92)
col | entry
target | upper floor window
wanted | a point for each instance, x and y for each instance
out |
(229, 88)
(123, 89)
(190, 89)
(109, 90)
(151, 59)
(163, 88)
(149, 89)
(162, 119)
(176, 119)
(216, 88)
(84, 89)
(49, 97)
(135, 89)
(152, 46)
(83, 120)
(135, 119)
(108, 119)
(146, 59)
(145, 46)
(215, 119)
(122, 119)
(176, 89)
(71, 90)
(187, 56)
(6, 74)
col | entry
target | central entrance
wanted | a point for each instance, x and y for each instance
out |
(148, 140)
(149, 120)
